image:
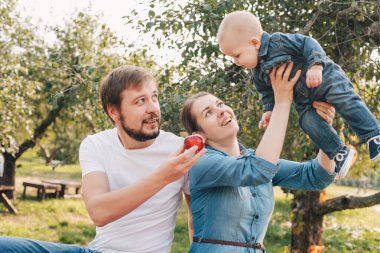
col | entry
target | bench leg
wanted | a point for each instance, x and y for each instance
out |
(43, 194)
(8, 204)
(24, 192)
(62, 192)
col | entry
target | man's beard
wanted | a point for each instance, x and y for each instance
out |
(139, 135)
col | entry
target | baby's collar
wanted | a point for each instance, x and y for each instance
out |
(264, 44)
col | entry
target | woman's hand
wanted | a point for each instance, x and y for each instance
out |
(282, 86)
(325, 110)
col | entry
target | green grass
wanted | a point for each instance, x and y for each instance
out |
(56, 220)
(67, 221)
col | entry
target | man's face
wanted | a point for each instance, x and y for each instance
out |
(140, 114)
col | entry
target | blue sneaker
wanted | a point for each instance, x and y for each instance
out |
(374, 148)
(343, 161)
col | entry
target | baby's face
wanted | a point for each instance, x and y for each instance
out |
(243, 52)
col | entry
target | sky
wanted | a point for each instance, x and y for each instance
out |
(55, 12)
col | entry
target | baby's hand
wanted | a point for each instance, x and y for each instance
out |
(314, 76)
(264, 122)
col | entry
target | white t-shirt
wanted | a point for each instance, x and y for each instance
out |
(150, 227)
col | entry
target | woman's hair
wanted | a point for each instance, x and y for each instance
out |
(118, 80)
(188, 120)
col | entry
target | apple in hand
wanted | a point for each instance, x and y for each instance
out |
(194, 140)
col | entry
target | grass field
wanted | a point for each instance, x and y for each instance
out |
(66, 220)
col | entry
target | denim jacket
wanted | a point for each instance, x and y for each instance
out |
(279, 48)
(232, 197)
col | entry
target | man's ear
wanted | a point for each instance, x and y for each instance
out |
(255, 42)
(113, 112)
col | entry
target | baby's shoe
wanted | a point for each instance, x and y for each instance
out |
(374, 148)
(343, 161)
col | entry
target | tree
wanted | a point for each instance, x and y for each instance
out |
(349, 33)
(50, 90)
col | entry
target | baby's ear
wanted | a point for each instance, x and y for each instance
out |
(255, 42)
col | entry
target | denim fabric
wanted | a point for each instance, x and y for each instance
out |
(335, 88)
(24, 245)
(232, 197)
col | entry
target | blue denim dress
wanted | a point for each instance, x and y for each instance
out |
(335, 88)
(232, 197)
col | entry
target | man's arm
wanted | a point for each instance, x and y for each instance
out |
(105, 206)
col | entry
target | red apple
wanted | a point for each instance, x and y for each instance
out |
(194, 140)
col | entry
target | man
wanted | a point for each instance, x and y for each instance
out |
(132, 175)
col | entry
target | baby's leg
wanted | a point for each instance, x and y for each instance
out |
(326, 138)
(322, 134)
(337, 89)
(355, 112)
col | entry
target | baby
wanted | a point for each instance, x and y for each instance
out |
(241, 37)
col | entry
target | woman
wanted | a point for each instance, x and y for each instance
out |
(231, 187)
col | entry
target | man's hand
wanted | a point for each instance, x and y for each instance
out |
(264, 122)
(314, 76)
(179, 163)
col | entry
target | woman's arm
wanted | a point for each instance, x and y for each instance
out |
(216, 169)
(312, 175)
(308, 175)
(271, 144)
(189, 218)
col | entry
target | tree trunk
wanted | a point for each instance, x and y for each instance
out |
(307, 226)
(9, 175)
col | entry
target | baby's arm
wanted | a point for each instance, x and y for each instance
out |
(314, 76)
(264, 122)
(312, 51)
(265, 90)
(297, 44)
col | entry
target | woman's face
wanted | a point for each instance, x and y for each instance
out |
(217, 120)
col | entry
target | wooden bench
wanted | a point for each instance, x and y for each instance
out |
(65, 185)
(5, 200)
(42, 189)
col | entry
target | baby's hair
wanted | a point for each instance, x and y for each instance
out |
(239, 23)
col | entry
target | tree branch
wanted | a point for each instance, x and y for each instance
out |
(347, 11)
(310, 23)
(45, 123)
(347, 202)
